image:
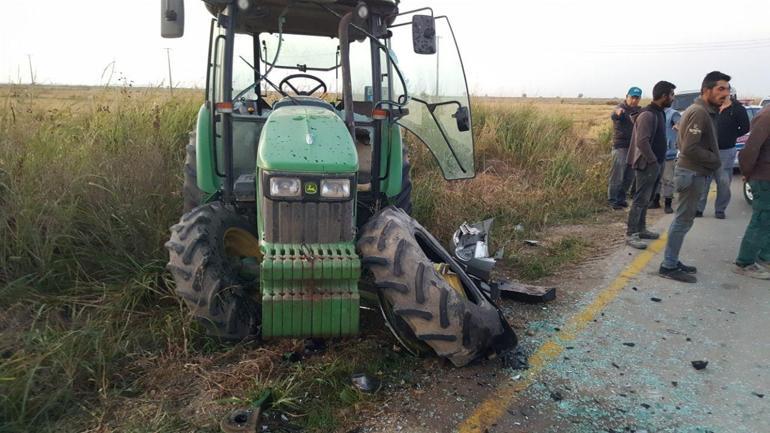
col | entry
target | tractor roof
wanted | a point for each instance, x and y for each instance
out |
(303, 17)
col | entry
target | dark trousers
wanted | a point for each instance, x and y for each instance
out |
(645, 187)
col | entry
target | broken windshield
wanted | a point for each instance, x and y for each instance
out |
(437, 87)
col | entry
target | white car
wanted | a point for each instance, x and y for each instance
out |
(765, 102)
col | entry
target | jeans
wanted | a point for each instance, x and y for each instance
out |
(723, 176)
(620, 177)
(756, 242)
(689, 185)
(645, 187)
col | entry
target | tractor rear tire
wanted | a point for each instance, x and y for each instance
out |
(207, 279)
(191, 195)
(400, 255)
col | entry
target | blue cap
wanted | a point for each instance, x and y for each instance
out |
(634, 91)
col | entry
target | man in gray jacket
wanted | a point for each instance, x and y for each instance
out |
(698, 158)
(646, 156)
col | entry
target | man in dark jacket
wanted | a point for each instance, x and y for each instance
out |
(620, 175)
(698, 158)
(732, 122)
(646, 156)
(754, 256)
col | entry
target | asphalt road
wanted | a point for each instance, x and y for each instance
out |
(629, 368)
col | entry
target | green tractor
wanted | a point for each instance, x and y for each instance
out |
(296, 182)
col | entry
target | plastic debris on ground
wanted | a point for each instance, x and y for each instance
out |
(365, 383)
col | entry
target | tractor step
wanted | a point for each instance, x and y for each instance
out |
(309, 290)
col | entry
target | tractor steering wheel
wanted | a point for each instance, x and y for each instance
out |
(286, 81)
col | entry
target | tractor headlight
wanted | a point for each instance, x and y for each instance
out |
(285, 187)
(335, 188)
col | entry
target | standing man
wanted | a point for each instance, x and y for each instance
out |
(754, 256)
(698, 157)
(620, 175)
(667, 177)
(732, 122)
(646, 156)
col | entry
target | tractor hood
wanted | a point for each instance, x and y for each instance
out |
(306, 139)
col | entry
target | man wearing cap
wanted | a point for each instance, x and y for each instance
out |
(620, 174)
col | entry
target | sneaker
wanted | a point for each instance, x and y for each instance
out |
(668, 208)
(616, 206)
(752, 271)
(688, 269)
(698, 214)
(636, 242)
(646, 234)
(623, 204)
(676, 274)
(720, 215)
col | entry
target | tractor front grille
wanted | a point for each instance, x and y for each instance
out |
(294, 222)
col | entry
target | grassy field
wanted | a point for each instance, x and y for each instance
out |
(91, 335)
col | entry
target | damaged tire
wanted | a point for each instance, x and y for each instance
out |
(205, 261)
(422, 309)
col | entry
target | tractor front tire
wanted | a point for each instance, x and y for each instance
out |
(191, 195)
(420, 306)
(207, 279)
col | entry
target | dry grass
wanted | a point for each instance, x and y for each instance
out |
(92, 337)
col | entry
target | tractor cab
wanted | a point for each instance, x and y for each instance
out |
(299, 153)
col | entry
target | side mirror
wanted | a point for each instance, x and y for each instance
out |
(463, 118)
(171, 18)
(424, 34)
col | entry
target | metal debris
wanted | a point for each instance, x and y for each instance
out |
(470, 245)
(525, 292)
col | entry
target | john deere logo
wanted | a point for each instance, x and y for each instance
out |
(311, 188)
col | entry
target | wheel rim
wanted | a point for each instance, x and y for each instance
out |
(242, 248)
(401, 329)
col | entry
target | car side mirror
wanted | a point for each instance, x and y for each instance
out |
(171, 18)
(424, 34)
(463, 118)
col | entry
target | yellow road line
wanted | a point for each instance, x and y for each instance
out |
(493, 408)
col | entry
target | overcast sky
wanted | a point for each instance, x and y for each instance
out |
(542, 48)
